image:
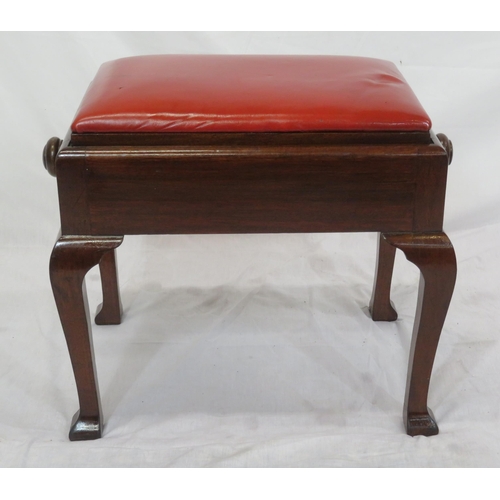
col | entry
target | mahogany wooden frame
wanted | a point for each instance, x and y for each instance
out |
(112, 185)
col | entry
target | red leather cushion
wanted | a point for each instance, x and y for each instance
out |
(232, 93)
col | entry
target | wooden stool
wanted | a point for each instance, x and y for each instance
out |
(181, 144)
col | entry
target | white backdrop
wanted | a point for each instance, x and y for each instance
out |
(249, 350)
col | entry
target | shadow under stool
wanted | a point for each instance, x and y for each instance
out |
(201, 144)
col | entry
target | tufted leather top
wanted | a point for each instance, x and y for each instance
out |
(233, 93)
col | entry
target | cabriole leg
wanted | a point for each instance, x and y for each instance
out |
(433, 254)
(381, 307)
(71, 259)
(110, 311)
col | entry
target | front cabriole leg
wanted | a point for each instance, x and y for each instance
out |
(433, 254)
(71, 259)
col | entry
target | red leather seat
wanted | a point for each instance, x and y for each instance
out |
(233, 93)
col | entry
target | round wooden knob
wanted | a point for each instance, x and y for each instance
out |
(49, 154)
(448, 146)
